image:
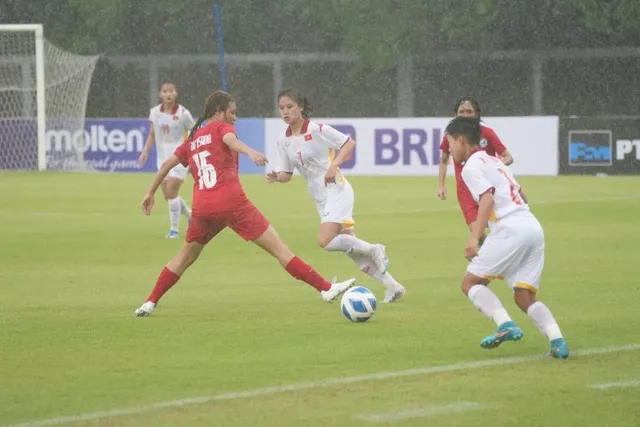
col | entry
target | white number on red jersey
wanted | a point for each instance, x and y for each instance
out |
(206, 171)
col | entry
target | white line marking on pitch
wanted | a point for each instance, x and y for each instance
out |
(269, 391)
(427, 411)
(622, 384)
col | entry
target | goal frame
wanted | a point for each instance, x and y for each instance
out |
(41, 115)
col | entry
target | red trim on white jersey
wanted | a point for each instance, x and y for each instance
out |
(173, 110)
(305, 127)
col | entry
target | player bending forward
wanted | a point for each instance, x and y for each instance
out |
(310, 148)
(513, 251)
(490, 142)
(219, 201)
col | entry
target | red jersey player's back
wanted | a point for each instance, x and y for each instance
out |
(214, 168)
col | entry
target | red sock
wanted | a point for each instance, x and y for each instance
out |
(165, 281)
(302, 271)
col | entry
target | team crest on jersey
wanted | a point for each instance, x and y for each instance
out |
(176, 118)
(483, 143)
(166, 129)
(308, 137)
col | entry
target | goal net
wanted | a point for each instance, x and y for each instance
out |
(43, 98)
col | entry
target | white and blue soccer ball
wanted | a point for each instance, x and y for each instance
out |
(359, 304)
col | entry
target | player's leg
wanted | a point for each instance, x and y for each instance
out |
(337, 214)
(199, 233)
(177, 206)
(393, 289)
(490, 263)
(525, 281)
(251, 225)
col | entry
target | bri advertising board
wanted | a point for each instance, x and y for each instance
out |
(411, 146)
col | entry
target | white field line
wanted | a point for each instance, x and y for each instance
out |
(427, 411)
(330, 382)
(450, 205)
(623, 384)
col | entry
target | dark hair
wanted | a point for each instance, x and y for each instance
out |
(470, 100)
(469, 127)
(169, 82)
(299, 98)
(217, 101)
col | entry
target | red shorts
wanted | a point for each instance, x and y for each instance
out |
(467, 204)
(246, 220)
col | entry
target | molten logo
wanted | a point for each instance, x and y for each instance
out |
(96, 139)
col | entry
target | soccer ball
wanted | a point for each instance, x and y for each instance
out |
(358, 304)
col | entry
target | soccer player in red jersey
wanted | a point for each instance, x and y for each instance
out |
(219, 201)
(469, 107)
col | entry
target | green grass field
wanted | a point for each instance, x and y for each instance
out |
(77, 258)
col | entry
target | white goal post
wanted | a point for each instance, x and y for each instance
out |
(43, 89)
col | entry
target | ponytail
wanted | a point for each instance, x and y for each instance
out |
(195, 127)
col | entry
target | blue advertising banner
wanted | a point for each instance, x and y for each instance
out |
(108, 145)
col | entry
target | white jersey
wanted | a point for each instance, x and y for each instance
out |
(483, 173)
(311, 153)
(170, 128)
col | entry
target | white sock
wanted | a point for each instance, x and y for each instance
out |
(366, 265)
(184, 208)
(489, 304)
(174, 213)
(349, 244)
(544, 320)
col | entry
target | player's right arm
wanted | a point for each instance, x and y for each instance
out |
(286, 168)
(234, 144)
(147, 146)
(482, 190)
(445, 154)
(148, 201)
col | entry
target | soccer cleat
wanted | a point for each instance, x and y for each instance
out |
(559, 349)
(172, 234)
(508, 331)
(145, 309)
(379, 258)
(337, 289)
(393, 293)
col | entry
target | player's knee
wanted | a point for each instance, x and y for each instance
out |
(324, 240)
(523, 298)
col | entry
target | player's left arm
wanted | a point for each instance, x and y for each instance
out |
(336, 141)
(499, 147)
(167, 165)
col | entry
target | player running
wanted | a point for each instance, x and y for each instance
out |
(513, 251)
(310, 148)
(170, 122)
(219, 201)
(469, 107)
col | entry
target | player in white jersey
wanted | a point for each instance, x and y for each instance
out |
(310, 148)
(513, 251)
(169, 123)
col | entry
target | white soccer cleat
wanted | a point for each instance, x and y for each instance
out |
(337, 289)
(145, 309)
(393, 293)
(379, 258)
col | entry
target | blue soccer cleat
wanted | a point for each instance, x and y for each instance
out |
(559, 349)
(508, 331)
(172, 234)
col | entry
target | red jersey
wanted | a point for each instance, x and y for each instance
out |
(489, 143)
(214, 168)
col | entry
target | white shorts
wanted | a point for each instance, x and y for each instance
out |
(513, 252)
(179, 172)
(338, 206)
